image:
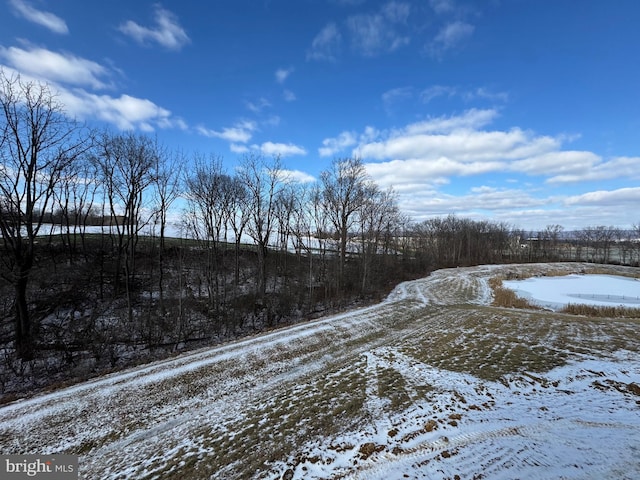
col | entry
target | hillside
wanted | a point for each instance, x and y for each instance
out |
(434, 382)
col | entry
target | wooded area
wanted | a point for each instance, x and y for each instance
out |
(90, 281)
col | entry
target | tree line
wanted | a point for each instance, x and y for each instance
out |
(257, 248)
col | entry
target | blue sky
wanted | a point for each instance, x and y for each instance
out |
(523, 111)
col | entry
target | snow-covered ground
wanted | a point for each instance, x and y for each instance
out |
(432, 383)
(556, 292)
(563, 424)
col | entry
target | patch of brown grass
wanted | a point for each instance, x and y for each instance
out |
(392, 385)
(601, 311)
(504, 297)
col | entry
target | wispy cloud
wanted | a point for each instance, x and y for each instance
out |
(167, 30)
(280, 149)
(392, 97)
(331, 146)
(596, 170)
(289, 96)
(486, 94)
(258, 105)
(326, 44)
(238, 148)
(70, 77)
(626, 196)
(240, 133)
(372, 34)
(348, 3)
(449, 37)
(297, 176)
(442, 6)
(468, 94)
(57, 67)
(472, 119)
(436, 91)
(283, 73)
(48, 20)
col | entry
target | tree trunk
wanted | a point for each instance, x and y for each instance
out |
(343, 257)
(161, 266)
(24, 340)
(262, 269)
(236, 273)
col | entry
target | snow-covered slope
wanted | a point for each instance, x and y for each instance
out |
(431, 383)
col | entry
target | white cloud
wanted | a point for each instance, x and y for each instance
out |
(442, 6)
(283, 73)
(395, 95)
(436, 91)
(622, 196)
(125, 112)
(331, 146)
(422, 201)
(297, 176)
(486, 94)
(236, 148)
(289, 96)
(471, 119)
(469, 95)
(422, 160)
(167, 31)
(272, 121)
(397, 172)
(372, 34)
(442, 147)
(56, 67)
(597, 170)
(241, 132)
(258, 105)
(396, 12)
(557, 162)
(449, 37)
(326, 44)
(45, 19)
(348, 3)
(462, 147)
(280, 149)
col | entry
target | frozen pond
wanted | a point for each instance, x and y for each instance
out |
(556, 292)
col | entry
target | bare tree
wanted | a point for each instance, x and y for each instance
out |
(378, 216)
(75, 197)
(635, 241)
(237, 216)
(37, 143)
(598, 241)
(318, 231)
(344, 193)
(126, 164)
(262, 181)
(167, 188)
(206, 196)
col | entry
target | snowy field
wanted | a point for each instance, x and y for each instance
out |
(433, 383)
(556, 292)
